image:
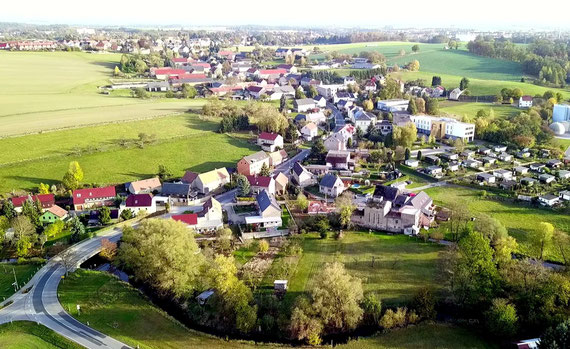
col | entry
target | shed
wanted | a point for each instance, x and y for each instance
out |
(280, 286)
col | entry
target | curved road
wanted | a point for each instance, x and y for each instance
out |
(41, 303)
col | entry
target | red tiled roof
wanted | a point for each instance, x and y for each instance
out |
(273, 71)
(527, 98)
(169, 71)
(225, 53)
(139, 200)
(259, 181)
(47, 200)
(80, 195)
(201, 64)
(188, 76)
(180, 60)
(189, 177)
(188, 218)
(268, 136)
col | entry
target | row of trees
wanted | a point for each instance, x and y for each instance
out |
(548, 60)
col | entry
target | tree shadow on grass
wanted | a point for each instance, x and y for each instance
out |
(34, 180)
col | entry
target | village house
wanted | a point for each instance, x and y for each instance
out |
(486, 178)
(500, 148)
(503, 174)
(145, 186)
(470, 163)
(277, 157)
(338, 160)
(178, 193)
(395, 212)
(546, 178)
(507, 184)
(548, 200)
(434, 171)
(537, 167)
(443, 127)
(523, 154)
(321, 101)
(385, 127)
(364, 120)
(207, 218)
(528, 181)
(159, 86)
(305, 104)
(336, 141)
(138, 203)
(302, 176)
(468, 154)
(46, 201)
(432, 159)
(328, 91)
(87, 198)
(505, 157)
(252, 164)
(525, 102)
(259, 183)
(331, 185)
(52, 214)
(564, 195)
(453, 166)
(488, 160)
(269, 212)
(210, 181)
(449, 156)
(309, 131)
(413, 163)
(455, 94)
(281, 182)
(521, 170)
(554, 163)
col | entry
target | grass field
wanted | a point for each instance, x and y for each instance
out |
(29, 335)
(519, 219)
(477, 86)
(184, 143)
(402, 265)
(53, 90)
(117, 309)
(460, 109)
(24, 272)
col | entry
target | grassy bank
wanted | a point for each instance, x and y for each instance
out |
(24, 273)
(29, 335)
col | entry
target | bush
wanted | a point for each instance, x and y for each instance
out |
(324, 234)
(424, 304)
(395, 319)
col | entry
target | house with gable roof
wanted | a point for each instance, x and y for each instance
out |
(331, 185)
(252, 164)
(84, 199)
(210, 181)
(270, 141)
(302, 176)
(269, 212)
(145, 186)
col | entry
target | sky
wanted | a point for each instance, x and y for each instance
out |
(481, 14)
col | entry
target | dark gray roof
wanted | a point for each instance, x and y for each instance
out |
(388, 193)
(265, 200)
(178, 189)
(298, 169)
(329, 180)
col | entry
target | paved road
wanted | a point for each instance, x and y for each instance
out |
(42, 305)
(286, 167)
(339, 120)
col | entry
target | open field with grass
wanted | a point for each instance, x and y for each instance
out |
(105, 300)
(29, 335)
(53, 90)
(470, 109)
(402, 265)
(478, 86)
(183, 143)
(24, 273)
(519, 219)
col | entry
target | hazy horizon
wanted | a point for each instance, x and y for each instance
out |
(299, 14)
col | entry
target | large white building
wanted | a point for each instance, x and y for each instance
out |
(393, 105)
(328, 91)
(442, 127)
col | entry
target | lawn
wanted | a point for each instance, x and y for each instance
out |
(29, 335)
(183, 143)
(424, 336)
(24, 273)
(392, 266)
(477, 86)
(116, 309)
(460, 109)
(54, 90)
(519, 219)
(243, 254)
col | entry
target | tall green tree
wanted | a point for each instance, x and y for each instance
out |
(73, 177)
(76, 228)
(243, 185)
(412, 108)
(162, 254)
(105, 213)
(164, 173)
(264, 171)
(8, 209)
(501, 318)
(541, 238)
(346, 206)
(464, 84)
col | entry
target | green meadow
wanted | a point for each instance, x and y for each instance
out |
(394, 267)
(137, 322)
(460, 109)
(53, 90)
(519, 219)
(29, 335)
(183, 142)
